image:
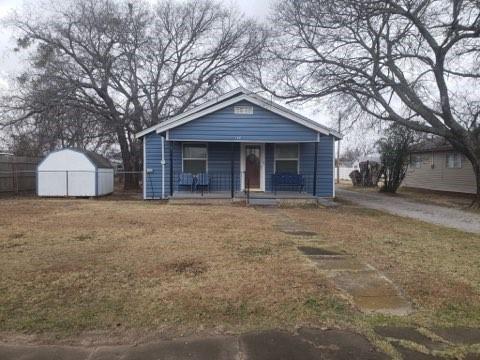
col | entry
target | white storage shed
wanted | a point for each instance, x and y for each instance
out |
(74, 172)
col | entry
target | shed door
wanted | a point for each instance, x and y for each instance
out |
(252, 165)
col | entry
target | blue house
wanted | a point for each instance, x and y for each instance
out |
(239, 142)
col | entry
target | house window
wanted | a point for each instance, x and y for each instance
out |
(194, 158)
(416, 161)
(243, 109)
(454, 160)
(286, 158)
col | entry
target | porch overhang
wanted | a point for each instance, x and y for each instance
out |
(227, 137)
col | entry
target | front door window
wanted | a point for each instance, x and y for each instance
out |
(252, 165)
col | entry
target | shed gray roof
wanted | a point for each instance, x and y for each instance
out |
(98, 160)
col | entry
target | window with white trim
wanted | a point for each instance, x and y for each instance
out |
(454, 160)
(286, 158)
(194, 158)
(416, 161)
(243, 109)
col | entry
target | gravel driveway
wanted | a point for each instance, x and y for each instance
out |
(434, 214)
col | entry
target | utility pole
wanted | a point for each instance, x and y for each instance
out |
(339, 120)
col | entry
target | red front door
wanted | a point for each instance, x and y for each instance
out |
(252, 165)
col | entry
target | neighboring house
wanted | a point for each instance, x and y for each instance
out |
(434, 165)
(236, 141)
(74, 172)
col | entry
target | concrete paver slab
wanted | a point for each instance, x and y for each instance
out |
(221, 348)
(11, 352)
(338, 263)
(459, 335)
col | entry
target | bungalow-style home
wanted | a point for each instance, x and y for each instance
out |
(239, 142)
(434, 165)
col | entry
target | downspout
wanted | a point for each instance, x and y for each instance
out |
(333, 167)
(163, 167)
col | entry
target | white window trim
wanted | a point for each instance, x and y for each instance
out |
(195, 143)
(454, 154)
(275, 158)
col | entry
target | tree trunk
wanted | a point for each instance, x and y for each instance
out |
(131, 162)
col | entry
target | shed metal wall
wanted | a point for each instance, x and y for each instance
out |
(261, 126)
(70, 173)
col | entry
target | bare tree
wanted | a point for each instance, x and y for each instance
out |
(132, 66)
(413, 62)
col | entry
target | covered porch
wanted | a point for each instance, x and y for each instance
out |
(220, 170)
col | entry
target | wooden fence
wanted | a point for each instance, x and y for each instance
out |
(17, 174)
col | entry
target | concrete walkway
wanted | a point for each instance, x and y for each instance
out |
(433, 214)
(306, 344)
(370, 291)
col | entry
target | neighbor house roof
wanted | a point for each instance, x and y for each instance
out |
(231, 98)
(432, 144)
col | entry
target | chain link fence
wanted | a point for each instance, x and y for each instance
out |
(15, 181)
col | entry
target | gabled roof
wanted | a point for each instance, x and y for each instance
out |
(97, 160)
(231, 98)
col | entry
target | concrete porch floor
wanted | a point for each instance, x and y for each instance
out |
(241, 195)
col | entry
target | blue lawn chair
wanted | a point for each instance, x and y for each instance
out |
(202, 181)
(185, 179)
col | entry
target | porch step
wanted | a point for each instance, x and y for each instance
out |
(263, 202)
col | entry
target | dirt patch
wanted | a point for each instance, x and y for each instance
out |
(190, 267)
(309, 250)
(255, 251)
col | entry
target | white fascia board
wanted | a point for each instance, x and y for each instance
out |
(196, 109)
(294, 117)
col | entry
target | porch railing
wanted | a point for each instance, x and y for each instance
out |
(222, 182)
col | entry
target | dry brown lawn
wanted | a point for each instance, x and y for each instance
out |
(70, 267)
(438, 268)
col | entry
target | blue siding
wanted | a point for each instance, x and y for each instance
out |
(324, 165)
(152, 163)
(219, 166)
(225, 125)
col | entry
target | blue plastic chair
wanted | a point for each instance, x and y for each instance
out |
(202, 181)
(185, 179)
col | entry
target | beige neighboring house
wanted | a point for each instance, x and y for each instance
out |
(434, 165)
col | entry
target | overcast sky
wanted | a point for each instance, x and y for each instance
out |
(11, 62)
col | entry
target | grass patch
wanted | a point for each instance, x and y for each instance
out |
(92, 265)
(73, 266)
